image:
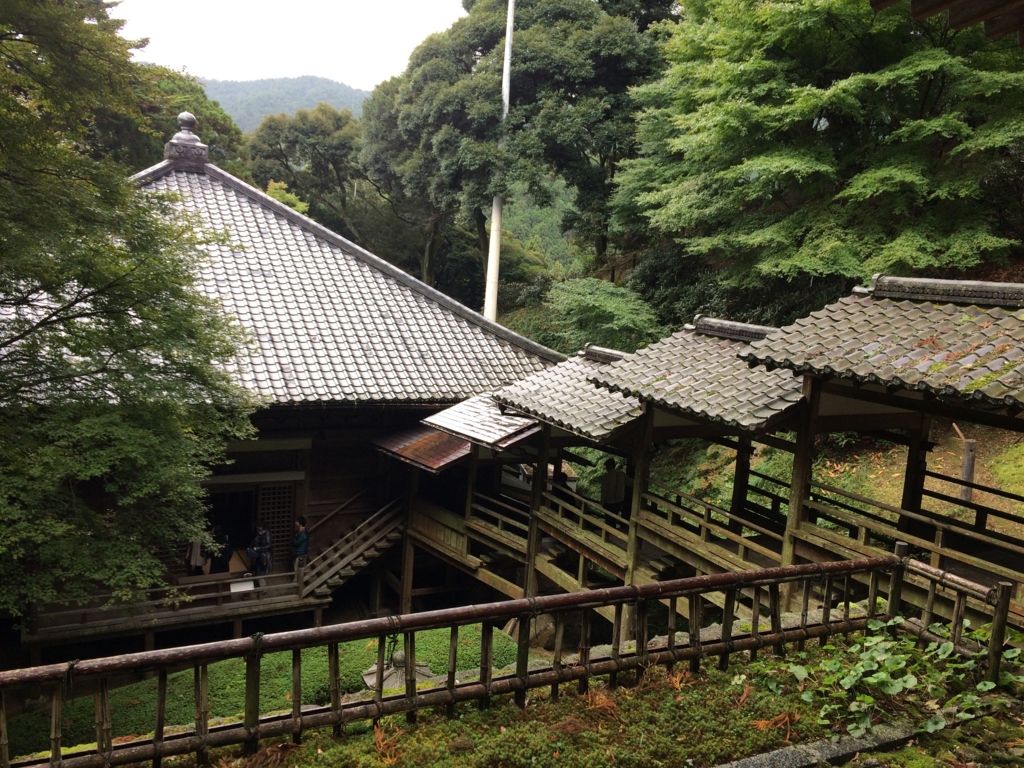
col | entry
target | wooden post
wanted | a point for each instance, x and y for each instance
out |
(474, 466)
(5, 754)
(486, 660)
(334, 684)
(613, 677)
(740, 482)
(728, 615)
(913, 476)
(775, 613)
(540, 476)
(523, 658)
(252, 702)
(161, 716)
(967, 469)
(378, 683)
(104, 735)
(634, 545)
(453, 653)
(56, 723)
(695, 622)
(201, 681)
(896, 580)
(408, 548)
(800, 486)
(410, 674)
(584, 651)
(297, 695)
(998, 635)
(556, 657)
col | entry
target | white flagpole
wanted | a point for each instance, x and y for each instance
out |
(494, 251)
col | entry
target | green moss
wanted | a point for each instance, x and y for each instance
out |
(988, 378)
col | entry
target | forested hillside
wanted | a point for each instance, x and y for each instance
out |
(249, 101)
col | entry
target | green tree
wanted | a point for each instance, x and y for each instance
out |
(435, 133)
(587, 310)
(114, 390)
(794, 145)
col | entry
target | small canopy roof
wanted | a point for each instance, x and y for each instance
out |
(962, 340)
(1000, 17)
(697, 373)
(564, 396)
(481, 420)
(424, 447)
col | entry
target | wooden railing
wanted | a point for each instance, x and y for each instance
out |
(163, 602)
(587, 516)
(336, 510)
(352, 545)
(856, 523)
(509, 520)
(708, 522)
(109, 750)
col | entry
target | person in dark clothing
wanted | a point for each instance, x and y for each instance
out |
(261, 551)
(300, 544)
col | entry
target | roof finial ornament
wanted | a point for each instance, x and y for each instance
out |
(185, 150)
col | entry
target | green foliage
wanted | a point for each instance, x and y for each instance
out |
(114, 396)
(133, 707)
(249, 101)
(279, 191)
(791, 139)
(587, 310)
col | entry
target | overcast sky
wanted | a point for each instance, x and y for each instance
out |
(357, 42)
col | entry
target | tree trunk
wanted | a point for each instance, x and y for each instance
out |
(429, 248)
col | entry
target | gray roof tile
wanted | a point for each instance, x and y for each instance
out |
(563, 395)
(698, 373)
(970, 346)
(330, 321)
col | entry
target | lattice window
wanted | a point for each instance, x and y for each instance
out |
(277, 510)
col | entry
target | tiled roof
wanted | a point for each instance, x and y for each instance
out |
(948, 337)
(424, 447)
(332, 322)
(481, 420)
(563, 395)
(698, 373)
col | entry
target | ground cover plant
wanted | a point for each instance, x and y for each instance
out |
(133, 707)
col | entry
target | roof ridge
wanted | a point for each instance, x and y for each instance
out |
(728, 329)
(601, 354)
(403, 277)
(980, 292)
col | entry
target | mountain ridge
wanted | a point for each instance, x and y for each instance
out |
(249, 101)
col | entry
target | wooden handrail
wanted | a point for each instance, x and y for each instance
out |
(376, 705)
(742, 520)
(975, 486)
(334, 511)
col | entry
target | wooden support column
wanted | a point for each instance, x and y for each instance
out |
(409, 549)
(474, 466)
(913, 478)
(540, 476)
(641, 463)
(740, 482)
(800, 486)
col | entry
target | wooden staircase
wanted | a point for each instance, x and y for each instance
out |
(355, 550)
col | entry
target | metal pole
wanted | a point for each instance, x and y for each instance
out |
(494, 250)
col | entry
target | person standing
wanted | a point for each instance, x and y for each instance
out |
(196, 557)
(300, 546)
(261, 551)
(613, 488)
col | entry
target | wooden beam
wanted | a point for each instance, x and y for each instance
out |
(705, 431)
(966, 13)
(281, 444)
(925, 9)
(930, 407)
(1004, 24)
(776, 442)
(254, 478)
(540, 483)
(641, 470)
(868, 422)
(572, 458)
